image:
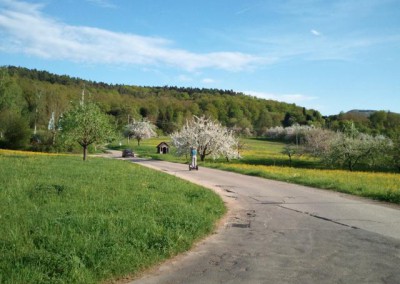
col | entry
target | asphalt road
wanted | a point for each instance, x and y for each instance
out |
(277, 232)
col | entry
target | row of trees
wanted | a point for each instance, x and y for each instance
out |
(83, 122)
(368, 121)
(86, 125)
(40, 95)
(349, 148)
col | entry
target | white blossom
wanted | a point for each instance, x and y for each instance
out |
(208, 136)
(140, 130)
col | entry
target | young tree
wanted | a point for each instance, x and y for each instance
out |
(208, 136)
(290, 150)
(86, 124)
(140, 130)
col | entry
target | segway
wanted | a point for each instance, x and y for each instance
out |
(193, 168)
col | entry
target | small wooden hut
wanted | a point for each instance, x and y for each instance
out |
(163, 148)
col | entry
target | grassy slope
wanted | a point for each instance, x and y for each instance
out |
(68, 221)
(264, 159)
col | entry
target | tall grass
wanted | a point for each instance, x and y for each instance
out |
(68, 221)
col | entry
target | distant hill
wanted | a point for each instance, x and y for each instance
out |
(365, 113)
(166, 106)
(39, 95)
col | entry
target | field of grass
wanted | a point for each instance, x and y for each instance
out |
(264, 159)
(68, 221)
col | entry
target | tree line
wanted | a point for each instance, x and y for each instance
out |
(348, 149)
(32, 102)
(37, 96)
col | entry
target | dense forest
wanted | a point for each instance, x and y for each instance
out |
(32, 99)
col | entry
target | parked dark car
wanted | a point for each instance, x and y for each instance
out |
(127, 153)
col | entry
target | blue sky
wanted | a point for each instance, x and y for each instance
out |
(329, 55)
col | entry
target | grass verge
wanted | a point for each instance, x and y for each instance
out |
(68, 221)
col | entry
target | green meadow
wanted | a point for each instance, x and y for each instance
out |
(68, 221)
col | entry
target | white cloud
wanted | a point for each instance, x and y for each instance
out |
(288, 98)
(25, 29)
(315, 32)
(343, 47)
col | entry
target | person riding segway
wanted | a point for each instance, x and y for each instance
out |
(193, 155)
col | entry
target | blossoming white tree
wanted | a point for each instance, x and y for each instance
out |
(349, 148)
(140, 130)
(208, 136)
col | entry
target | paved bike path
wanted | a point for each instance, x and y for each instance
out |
(277, 232)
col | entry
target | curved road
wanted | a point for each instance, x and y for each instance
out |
(277, 232)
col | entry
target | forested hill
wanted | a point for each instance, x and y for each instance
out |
(39, 94)
(36, 96)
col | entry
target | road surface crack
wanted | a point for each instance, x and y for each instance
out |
(320, 217)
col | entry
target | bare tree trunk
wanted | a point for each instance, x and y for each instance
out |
(203, 153)
(84, 152)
